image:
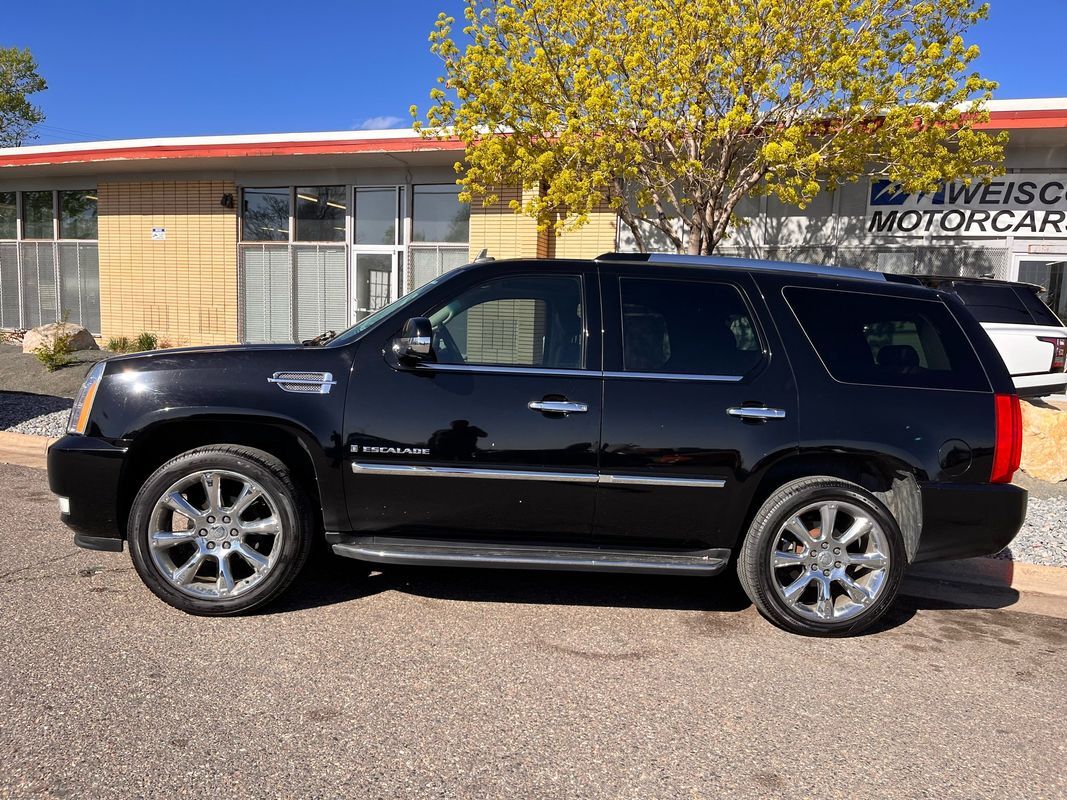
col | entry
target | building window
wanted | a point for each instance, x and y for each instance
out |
(38, 215)
(439, 216)
(375, 216)
(77, 215)
(265, 215)
(320, 213)
(8, 215)
(44, 278)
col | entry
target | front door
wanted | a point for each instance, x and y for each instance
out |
(373, 282)
(697, 393)
(499, 435)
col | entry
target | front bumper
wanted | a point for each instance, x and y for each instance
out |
(87, 472)
(965, 520)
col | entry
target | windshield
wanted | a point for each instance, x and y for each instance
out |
(368, 322)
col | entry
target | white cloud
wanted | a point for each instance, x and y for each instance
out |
(383, 122)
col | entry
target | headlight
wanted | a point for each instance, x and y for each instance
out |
(83, 405)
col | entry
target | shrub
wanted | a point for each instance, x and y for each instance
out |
(120, 344)
(55, 354)
(146, 341)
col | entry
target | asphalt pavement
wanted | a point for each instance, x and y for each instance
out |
(420, 683)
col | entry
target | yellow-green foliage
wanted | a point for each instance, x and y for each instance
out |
(56, 352)
(688, 106)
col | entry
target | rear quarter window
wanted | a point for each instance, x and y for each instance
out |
(887, 341)
(991, 303)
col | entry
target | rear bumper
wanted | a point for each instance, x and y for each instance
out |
(86, 472)
(965, 520)
(1040, 385)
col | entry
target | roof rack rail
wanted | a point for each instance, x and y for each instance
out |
(731, 262)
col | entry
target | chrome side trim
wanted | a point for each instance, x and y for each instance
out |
(674, 376)
(558, 406)
(470, 472)
(655, 480)
(363, 467)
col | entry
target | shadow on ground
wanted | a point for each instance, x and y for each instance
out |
(17, 407)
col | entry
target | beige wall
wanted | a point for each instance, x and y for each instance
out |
(506, 234)
(183, 289)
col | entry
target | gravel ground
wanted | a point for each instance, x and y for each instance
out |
(1043, 538)
(22, 372)
(37, 414)
(468, 684)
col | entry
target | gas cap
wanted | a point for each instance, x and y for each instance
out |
(954, 457)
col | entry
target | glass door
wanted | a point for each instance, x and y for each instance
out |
(373, 283)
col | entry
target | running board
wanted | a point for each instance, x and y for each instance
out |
(437, 552)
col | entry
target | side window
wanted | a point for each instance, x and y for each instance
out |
(887, 341)
(686, 327)
(528, 321)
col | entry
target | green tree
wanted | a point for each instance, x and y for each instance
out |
(672, 111)
(18, 79)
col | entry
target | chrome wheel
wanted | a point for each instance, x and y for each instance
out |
(215, 534)
(830, 561)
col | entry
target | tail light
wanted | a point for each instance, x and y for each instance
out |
(1059, 351)
(1008, 448)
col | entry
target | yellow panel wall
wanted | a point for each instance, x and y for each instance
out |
(502, 232)
(184, 288)
(595, 237)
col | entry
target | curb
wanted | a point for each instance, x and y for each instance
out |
(24, 449)
(995, 573)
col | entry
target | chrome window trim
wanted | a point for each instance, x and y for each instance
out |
(369, 468)
(577, 373)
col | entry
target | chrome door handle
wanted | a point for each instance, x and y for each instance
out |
(558, 406)
(756, 412)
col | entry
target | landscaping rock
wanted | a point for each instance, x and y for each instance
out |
(80, 338)
(1044, 442)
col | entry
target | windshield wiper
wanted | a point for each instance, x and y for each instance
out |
(321, 339)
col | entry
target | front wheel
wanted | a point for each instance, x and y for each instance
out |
(219, 530)
(822, 557)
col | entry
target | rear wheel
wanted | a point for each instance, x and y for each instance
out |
(219, 530)
(822, 557)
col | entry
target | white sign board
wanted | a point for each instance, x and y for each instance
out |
(159, 234)
(1020, 204)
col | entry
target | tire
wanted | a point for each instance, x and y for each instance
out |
(264, 540)
(836, 585)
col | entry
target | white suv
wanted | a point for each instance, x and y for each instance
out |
(1030, 337)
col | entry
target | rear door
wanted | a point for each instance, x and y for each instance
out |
(698, 394)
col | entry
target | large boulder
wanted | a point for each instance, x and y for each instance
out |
(80, 338)
(1045, 442)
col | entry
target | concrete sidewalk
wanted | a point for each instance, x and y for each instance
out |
(23, 449)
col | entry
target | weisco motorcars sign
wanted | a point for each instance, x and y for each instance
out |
(1020, 204)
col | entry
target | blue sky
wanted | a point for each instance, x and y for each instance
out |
(125, 70)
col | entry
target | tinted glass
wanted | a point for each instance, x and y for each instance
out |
(7, 215)
(320, 213)
(265, 216)
(37, 215)
(375, 216)
(887, 341)
(438, 216)
(686, 327)
(77, 215)
(1041, 313)
(992, 303)
(526, 321)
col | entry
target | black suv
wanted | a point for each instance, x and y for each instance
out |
(821, 428)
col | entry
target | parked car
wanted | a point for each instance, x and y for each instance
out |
(1031, 339)
(818, 429)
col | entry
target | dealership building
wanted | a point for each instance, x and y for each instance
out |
(207, 240)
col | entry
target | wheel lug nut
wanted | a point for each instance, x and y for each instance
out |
(837, 549)
(837, 564)
(203, 532)
(210, 545)
(225, 545)
(824, 544)
(225, 519)
(210, 519)
(233, 531)
(815, 566)
(826, 572)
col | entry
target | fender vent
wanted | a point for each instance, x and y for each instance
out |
(303, 382)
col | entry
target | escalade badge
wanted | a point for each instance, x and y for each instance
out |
(395, 451)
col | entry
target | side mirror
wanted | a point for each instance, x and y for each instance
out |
(413, 343)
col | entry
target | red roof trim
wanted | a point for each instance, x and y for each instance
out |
(998, 120)
(405, 145)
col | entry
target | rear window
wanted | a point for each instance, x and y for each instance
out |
(1042, 314)
(993, 303)
(887, 341)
